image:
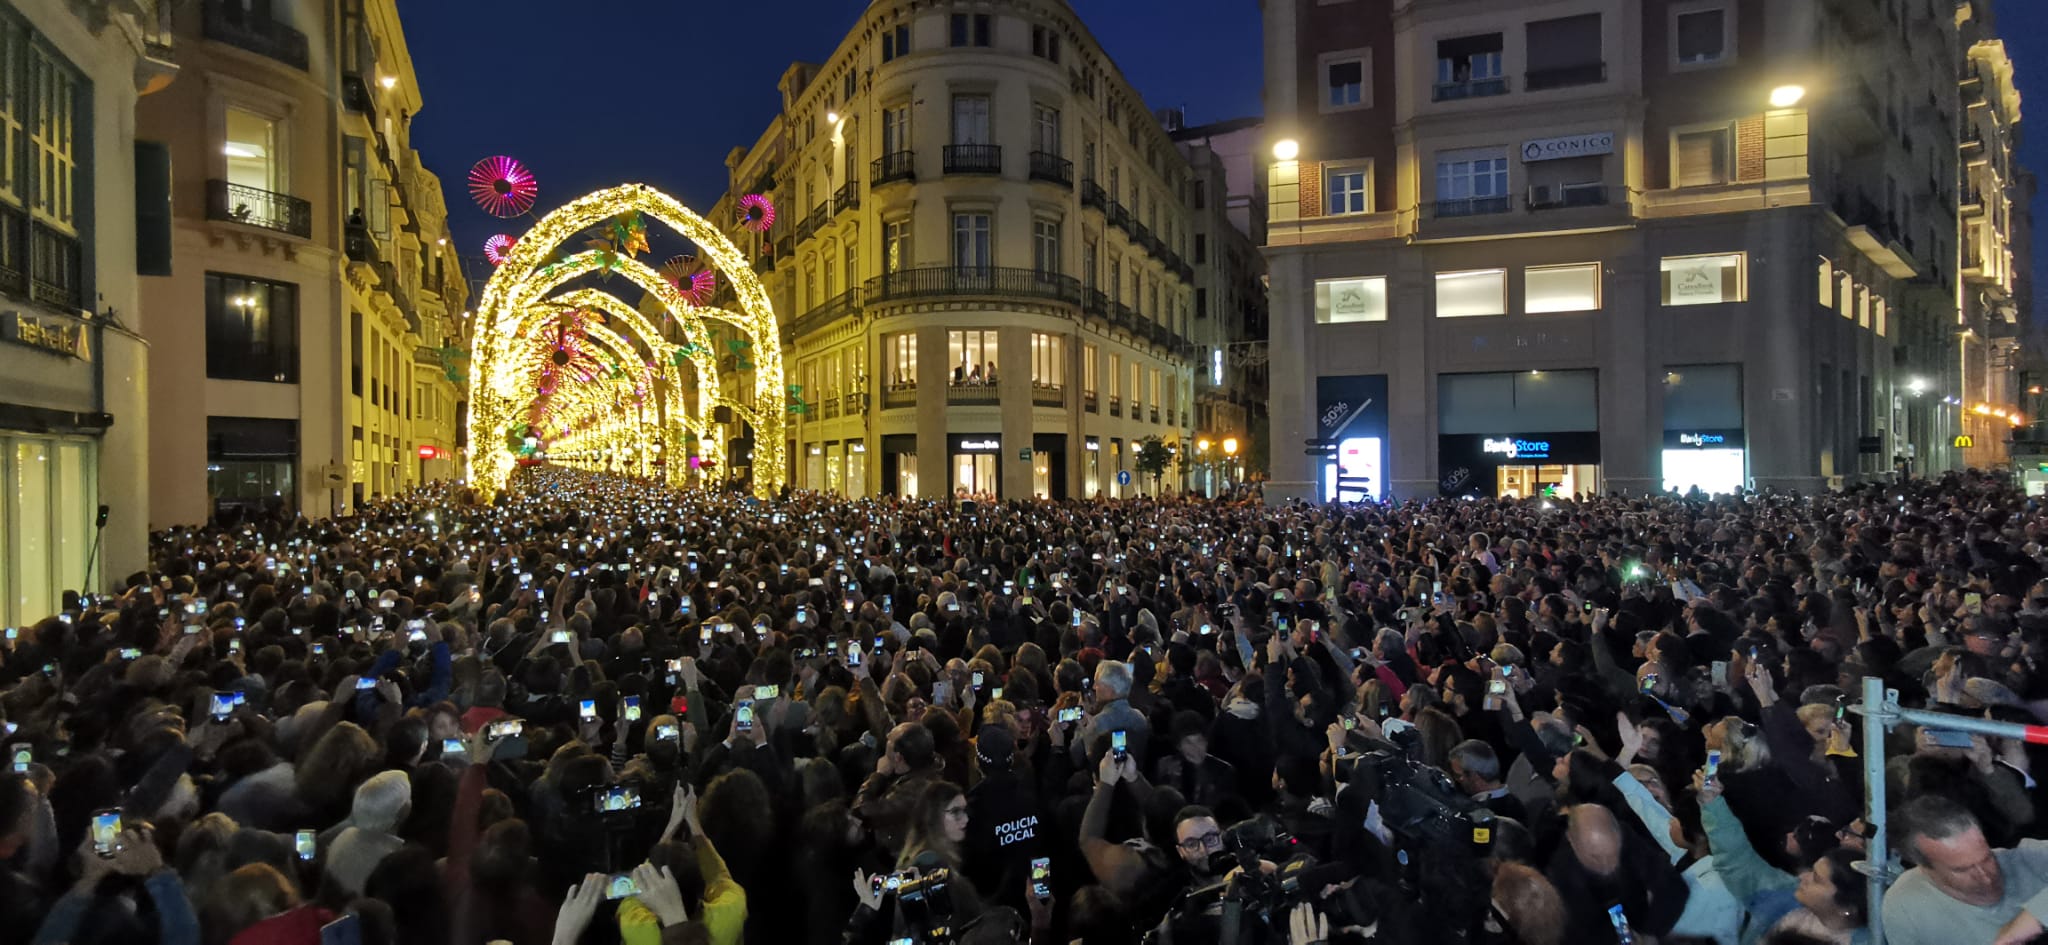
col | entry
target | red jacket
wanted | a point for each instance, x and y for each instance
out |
(300, 926)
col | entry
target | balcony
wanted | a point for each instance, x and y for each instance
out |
(973, 158)
(249, 206)
(829, 406)
(1092, 195)
(837, 308)
(1155, 414)
(355, 94)
(1472, 206)
(1591, 73)
(889, 168)
(1048, 396)
(1568, 196)
(811, 224)
(983, 281)
(847, 197)
(1116, 406)
(1973, 144)
(39, 262)
(1972, 87)
(1093, 302)
(1471, 88)
(764, 264)
(1118, 216)
(1088, 401)
(971, 395)
(1052, 168)
(227, 22)
(1877, 235)
(898, 396)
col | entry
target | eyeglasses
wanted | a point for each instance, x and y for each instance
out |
(960, 811)
(1204, 841)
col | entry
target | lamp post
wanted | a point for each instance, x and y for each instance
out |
(1208, 471)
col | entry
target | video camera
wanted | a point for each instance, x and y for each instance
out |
(919, 903)
(1441, 839)
(1251, 906)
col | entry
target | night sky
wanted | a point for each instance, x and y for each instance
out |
(660, 90)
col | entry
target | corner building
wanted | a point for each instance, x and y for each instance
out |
(1583, 246)
(979, 258)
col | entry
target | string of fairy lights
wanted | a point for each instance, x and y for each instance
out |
(576, 375)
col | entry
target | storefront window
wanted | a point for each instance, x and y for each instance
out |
(1048, 360)
(1092, 471)
(856, 471)
(1562, 288)
(51, 487)
(974, 474)
(1703, 280)
(906, 475)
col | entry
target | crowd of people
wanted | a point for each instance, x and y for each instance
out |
(601, 711)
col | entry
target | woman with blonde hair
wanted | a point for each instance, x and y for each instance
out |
(256, 903)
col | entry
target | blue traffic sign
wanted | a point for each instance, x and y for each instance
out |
(1123, 477)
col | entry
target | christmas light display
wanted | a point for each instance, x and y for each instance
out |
(496, 248)
(502, 186)
(757, 213)
(694, 282)
(621, 400)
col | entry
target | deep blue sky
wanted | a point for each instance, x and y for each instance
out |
(659, 90)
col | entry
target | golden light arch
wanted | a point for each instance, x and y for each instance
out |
(516, 303)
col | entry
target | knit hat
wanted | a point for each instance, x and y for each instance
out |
(381, 802)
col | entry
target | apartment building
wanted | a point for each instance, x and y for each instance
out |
(1582, 246)
(1994, 219)
(297, 341)
(74, 490)
(979, 257)
(1228, 215)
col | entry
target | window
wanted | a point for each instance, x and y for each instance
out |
(1201, 303)
(970, 119)
(1471, 182)
(1469, 67)
(1045, 44)
(896, 43)
(1564, 52)
(1089, 356)
(896, 129)
(1561, 288)
(1878, 311)
(1344, 188)
(1045, 129)
(1116, 279)
(1701, 156)
(1045, 247)
(1155, 400)
(971, 248)
(1201, 248)
(1089, 256)
(1703, 280)
(1344, 83)
(1048, 360)
(1137, 392)
(851, 85)
(355, 353)
(972, 355)
(53, 94)
(896, 245)
(1700, 37)
(1826, 288)
(1351, 300)
(1476, 292)
(252, 152)
(252, 329)
(1116, 377)
(970, 29)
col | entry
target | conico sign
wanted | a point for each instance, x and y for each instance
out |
(1568, 146)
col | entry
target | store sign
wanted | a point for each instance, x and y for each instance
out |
(1703, 439)
(1094, 446)
(55, 336)
(1513, 448)
(1696, 282)
(1965, 441)
(1569, 146)
(980, 446)
(1024, 454)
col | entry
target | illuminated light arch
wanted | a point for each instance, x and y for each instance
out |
(516, 302)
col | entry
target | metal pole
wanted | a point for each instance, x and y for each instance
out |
(1876, 868)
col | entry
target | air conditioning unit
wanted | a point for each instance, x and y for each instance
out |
(1544, 195)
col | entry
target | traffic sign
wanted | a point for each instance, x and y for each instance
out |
(1123, 477)
(1024, 454)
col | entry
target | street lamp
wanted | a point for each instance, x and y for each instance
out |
(1786, 96)
(1286, 149)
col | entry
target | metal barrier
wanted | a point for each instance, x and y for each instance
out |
(1881, 712)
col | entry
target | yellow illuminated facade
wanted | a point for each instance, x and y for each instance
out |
(641, 416)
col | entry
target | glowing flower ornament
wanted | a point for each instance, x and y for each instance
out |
(756, 213)
(692, 281)
(502, 186)
(498, 248)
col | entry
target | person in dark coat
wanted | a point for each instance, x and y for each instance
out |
(1005, 830)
